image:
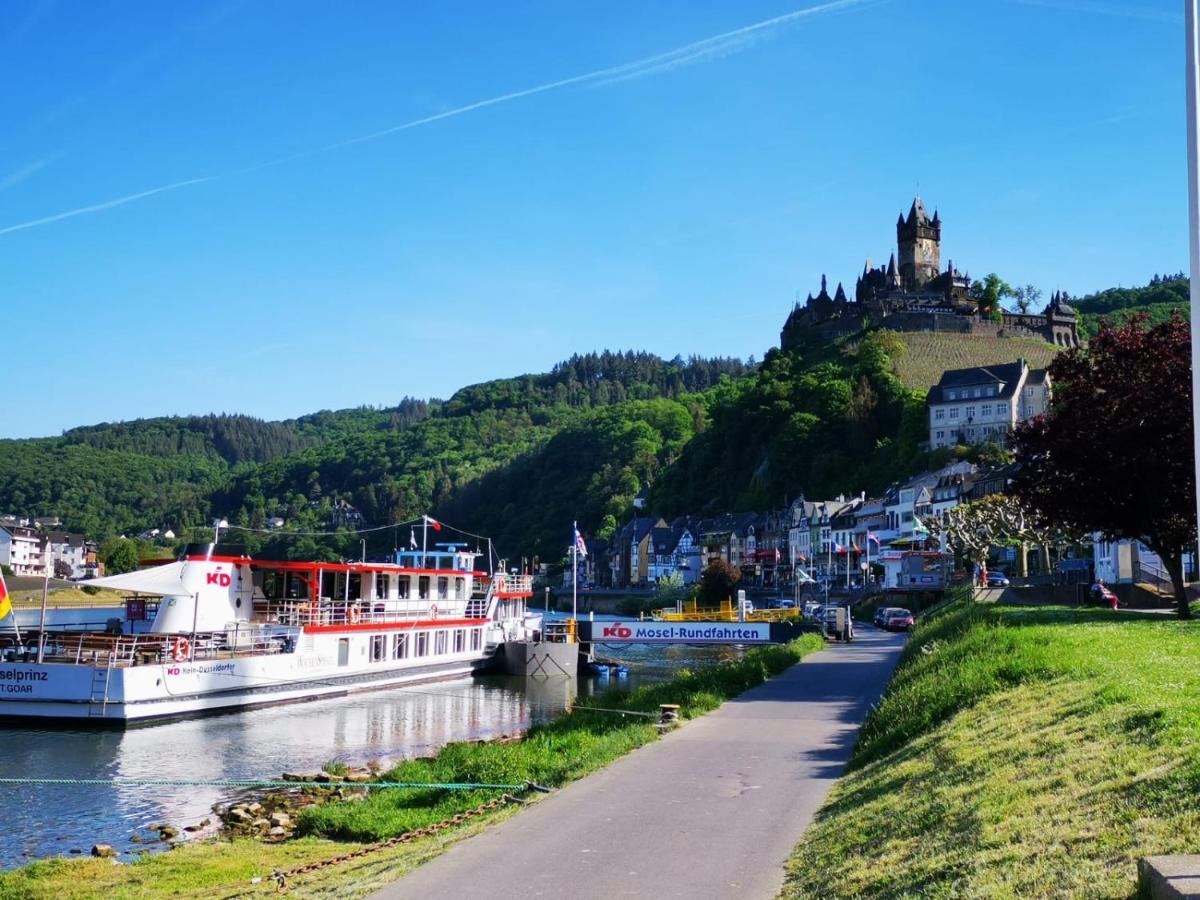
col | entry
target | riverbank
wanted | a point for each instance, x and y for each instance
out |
(552, 754)
(1019, 751)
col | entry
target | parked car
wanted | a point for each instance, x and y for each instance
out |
(881, 616)
(897, 619)
(997, 579)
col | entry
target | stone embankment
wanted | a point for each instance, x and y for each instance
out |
(272, 816)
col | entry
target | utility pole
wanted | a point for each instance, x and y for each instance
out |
(1192, 17)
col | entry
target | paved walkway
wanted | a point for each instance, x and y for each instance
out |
(711, 810)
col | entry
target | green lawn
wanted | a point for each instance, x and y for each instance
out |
(1019, 751)
(552, 755)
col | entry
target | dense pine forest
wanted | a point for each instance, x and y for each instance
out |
(519, 458)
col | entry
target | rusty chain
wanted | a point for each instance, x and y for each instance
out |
(281, 876)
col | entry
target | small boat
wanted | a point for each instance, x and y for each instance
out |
(216, 630)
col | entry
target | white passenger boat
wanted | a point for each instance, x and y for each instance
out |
(217, 630)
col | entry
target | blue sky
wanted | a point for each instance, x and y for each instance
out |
(676, 206)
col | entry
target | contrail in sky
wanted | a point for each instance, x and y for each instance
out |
(689, 54)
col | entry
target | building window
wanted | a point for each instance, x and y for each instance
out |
(443, 587)
(378, 647)
(460, 589)
(460, 640)
(423, 587)
(954, 413)
(381, 586)
(439, 642)
(970, 412)
(1002, 409)
(403, 583)
(985, 411)
(939, 414)
(941, 434)
(949, 395)
(400, 646)
(476, 638)
(422, 643)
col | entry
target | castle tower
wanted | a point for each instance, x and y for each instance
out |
(919, 240)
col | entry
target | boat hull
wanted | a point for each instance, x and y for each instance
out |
(154, 692)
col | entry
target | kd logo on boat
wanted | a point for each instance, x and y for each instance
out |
(219, 578)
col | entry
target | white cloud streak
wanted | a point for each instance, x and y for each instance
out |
(24, 173)
(696, 52)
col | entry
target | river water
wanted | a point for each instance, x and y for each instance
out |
(387, 725)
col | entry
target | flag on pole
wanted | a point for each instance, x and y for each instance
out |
(871, 537)
(919, 527)
(5, 602)
(412, 538)
(580, 546)
(433, 523)
(838, 548)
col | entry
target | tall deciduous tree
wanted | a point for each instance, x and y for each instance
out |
(1114, 454)
(718, 581)
(989, 292)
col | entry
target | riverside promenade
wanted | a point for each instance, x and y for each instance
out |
(711, 810)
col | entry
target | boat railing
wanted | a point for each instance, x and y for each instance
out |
(299, 613)
(121, 651)
(513, 584)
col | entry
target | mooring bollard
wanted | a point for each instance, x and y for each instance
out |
(668, 713)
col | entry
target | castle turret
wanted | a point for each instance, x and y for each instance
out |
(919, 240)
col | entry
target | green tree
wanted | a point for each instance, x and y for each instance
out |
(989, 293)
(718, 582)
(119, 555)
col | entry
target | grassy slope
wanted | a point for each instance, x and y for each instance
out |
(554, 754)
(1024, 751)
(929, 354)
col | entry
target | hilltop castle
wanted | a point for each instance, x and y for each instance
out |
(916, 294)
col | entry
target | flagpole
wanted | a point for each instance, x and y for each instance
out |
(1192, 16)
(424, 541)
(575, 584)
(867, 571)
(42, 624)
(828, 564)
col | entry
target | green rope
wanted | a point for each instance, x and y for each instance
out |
(186, 782)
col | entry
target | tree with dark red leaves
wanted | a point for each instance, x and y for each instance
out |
(1114, 454)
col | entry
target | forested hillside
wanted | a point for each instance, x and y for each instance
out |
(1158, 300)
(390, 464)
(829, 419)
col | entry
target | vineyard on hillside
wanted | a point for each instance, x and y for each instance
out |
(928, 354)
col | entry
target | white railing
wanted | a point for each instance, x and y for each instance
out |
(356, 612)
(513, 584)
(119, 651)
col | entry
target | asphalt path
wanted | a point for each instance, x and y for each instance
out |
(713, 809)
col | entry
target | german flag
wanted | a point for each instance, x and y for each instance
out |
(5, 602)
